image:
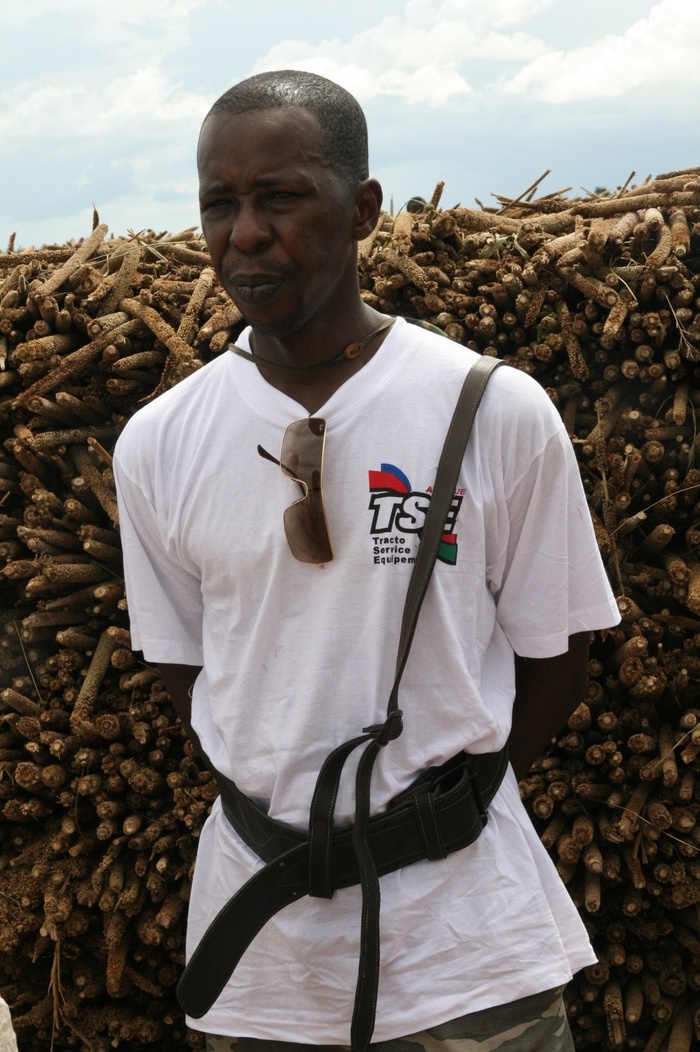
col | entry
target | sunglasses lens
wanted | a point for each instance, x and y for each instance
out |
(301, 459)
(307, 533)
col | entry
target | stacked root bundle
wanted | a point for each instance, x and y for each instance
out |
(101, 797)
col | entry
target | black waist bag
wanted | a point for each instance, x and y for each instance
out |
(443, 811)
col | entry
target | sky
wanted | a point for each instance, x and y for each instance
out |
(101, 102)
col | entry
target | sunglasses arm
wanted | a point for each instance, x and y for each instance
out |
(268, 456)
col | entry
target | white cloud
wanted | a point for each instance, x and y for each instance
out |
(421, 56)
(140, 211)
(96, 20)
(133, 107)
(154, 28)
(500, 47)
(653, 53)
(102, 113)
(102, 102)
(497, 13)
(430, 83)
(512, 12)
(147, 95)
(85, 177)
(31, 115)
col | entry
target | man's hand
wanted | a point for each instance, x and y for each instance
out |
(547, 690)
(179, 680)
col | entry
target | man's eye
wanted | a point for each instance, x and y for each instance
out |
(213, 206)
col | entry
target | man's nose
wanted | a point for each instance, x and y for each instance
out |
(249, 231)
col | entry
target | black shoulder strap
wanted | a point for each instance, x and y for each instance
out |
(443, 492)
(446, 479)
(451, 457)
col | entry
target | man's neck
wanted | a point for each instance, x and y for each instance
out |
(316, 382)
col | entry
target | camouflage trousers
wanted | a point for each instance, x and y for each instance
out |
(532, 1024)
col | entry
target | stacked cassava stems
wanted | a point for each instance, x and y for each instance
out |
(101, 797)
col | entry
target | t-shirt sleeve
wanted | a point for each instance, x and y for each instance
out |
(163, 596)
(553, 583)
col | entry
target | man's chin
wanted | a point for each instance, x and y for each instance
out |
(278, 328)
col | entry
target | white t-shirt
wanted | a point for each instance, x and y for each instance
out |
(298, 658)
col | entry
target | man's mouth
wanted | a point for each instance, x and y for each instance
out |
(254, 288)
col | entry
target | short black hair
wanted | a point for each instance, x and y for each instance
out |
(338, 112)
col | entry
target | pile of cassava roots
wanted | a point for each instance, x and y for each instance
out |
(101, 796)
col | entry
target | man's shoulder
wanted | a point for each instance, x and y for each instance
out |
(444, 358)
(431, 348)
(171, 413)
(169, 402)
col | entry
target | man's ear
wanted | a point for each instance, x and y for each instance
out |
(368, 206)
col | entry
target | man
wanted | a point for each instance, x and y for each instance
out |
(275, 617)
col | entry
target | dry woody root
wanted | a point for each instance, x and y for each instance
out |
(102, 799)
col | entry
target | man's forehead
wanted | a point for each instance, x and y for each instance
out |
(221, 124)
(259, 144)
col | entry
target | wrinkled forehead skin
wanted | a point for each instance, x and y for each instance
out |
(227, 133)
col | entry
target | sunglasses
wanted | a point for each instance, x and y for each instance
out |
(301, 459)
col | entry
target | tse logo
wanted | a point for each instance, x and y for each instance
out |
(395, 506)
(394, 511)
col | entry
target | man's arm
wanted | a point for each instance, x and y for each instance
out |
(179, 680)
(547, 690)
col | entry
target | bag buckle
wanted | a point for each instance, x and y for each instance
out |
(474, 781)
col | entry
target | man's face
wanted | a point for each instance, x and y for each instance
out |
(276, 218)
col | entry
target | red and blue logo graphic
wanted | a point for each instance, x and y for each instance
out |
(398, 509)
